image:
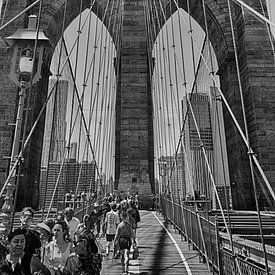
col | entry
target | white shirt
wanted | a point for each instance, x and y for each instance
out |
(73, 224)
(112, 220)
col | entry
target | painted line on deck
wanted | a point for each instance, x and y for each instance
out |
(176, 245)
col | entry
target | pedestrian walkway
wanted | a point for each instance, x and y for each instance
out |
(162, 252)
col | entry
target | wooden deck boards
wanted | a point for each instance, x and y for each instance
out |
(158, 253)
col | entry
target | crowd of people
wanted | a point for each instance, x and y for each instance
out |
(64, 245)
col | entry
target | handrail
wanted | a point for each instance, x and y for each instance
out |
(222, 258)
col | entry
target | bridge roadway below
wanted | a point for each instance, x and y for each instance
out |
(161, 251)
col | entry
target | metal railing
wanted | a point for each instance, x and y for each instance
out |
(201, 231)
(246, 267)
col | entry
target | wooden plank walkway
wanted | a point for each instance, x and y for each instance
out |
(158, 252)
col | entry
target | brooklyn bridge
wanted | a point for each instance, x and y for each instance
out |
(165, 108)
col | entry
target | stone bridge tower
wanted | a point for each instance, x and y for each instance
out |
(134, 129)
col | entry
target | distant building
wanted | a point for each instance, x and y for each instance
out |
(55, 123)
(210, 123)
(72, 173)
(172, 175)
(197, 175)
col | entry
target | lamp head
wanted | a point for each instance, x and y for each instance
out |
(26, 65)
(24, 41)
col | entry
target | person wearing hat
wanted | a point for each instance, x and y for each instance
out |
(45, 233)
(72, 221)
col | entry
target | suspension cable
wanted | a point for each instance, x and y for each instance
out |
(163, 144)
(238, 126)
(82, 95)
(254, 12)
(19, 14)
(218, 120)
(104, 104)
(162, 84)
(75, 71)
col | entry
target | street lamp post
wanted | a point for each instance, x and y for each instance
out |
(23, 41)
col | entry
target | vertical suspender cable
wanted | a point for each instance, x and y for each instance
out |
(111, 103)
(177, 97)
(163, 88)
(101, 143)
(106, 81)
(149, 34)
(76, 68)
(158, 108)
(212, 72)
(165, 98)
(101, 62)
(170, 78)
(161, 96)
(167, 59)
(84, 84)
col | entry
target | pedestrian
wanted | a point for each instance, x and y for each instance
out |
(72, 221)
(68, 199)
(96, 217)
(18, 261)
(86, 223)
(124, 238)
(58, 250)
(111, 222)
(86, 259)
(33, 243)
(45, 233)
(134, 217)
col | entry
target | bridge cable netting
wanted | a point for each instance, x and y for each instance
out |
(174, 95)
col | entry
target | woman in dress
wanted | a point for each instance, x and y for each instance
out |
(58, 250)
(86, 259)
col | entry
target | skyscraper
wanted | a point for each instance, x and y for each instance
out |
(209, 122)
(198, 176)
(55, 124)
(172, 172)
